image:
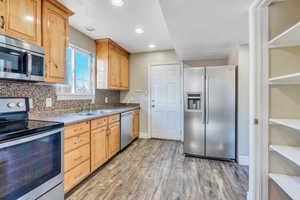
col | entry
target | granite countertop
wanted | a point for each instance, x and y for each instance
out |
(81, 117)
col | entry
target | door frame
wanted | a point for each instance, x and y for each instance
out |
(180, 64)
(259, 100)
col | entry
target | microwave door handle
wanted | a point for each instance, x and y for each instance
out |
(29, 64)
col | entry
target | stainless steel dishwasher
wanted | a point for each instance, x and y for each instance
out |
(126, 129)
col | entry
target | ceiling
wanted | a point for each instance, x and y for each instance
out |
(119, 23)
(197, 29)
(204, 29)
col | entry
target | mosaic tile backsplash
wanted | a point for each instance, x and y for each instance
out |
(39, 92)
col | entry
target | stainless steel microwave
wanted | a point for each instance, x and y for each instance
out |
(20, 60)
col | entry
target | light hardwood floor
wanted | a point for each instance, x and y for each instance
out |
(158, 170)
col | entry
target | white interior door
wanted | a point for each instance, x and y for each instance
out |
(165, 102)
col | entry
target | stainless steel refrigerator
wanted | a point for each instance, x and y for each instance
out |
(210, 112)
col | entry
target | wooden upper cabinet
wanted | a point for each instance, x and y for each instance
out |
(112, 66)
(2, 16)
(22, 19)
(55, 39)
(124, 83)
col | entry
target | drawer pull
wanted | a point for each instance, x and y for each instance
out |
(78, 141)
(108, 132)
(78, 129)
(78, 176)
(78, 158)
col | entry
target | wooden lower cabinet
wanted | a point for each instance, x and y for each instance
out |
(88, 145)
(74, 158)
(98, 147)
(136, 123)
(114, 139)
(76, 175)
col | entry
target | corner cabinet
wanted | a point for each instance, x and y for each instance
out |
(55, 39)
(112, 66)
(21, 19)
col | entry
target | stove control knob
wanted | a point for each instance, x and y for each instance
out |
(11, 105)
(20, 104)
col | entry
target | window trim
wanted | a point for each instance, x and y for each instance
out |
(78, 96)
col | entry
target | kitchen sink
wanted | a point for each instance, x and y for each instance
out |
(97, 112)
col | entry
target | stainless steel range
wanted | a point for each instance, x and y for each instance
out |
(31, 154)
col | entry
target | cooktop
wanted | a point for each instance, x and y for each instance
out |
(19, 128)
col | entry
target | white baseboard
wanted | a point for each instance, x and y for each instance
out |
(144, 135)
(243, 160)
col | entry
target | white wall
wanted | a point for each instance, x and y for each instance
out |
(138, 93)
(240, 56)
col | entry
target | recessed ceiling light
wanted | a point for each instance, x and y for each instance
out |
(139, 30)
(151, 46)
(90, 28)
(117, 3)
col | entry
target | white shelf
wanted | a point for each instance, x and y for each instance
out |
(287, 79)
(289, 38)
(289, 152)
(289, 184)
(291, 123)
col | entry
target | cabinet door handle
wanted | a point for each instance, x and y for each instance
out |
(2, 22)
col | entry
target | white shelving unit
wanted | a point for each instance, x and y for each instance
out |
(288, 38)
(289, 152)
(289, 184)
(290, 79)
(291, 123)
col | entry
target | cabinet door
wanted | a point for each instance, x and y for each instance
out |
(114, 139)
(55, 42)
(124, 72)
(136, 124)
(114, 68)
(23, 20)
(2, 16)
(98, 148)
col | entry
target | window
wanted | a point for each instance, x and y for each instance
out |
(80, 73)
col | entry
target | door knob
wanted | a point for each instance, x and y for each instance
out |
(153, 106)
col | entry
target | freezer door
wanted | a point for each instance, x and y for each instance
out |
(221, 112)
(194, 111)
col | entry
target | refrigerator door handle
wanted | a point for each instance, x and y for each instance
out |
(202, 101)
(207, 99)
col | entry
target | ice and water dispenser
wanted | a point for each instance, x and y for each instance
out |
(193, 102)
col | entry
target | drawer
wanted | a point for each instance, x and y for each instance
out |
(74, 176)
(114, 125)
(77, 156)
(98, 123)
(76, 129)
(114, 118)
(77, 141)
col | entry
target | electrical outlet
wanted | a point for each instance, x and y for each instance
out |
(48, 102)
(106, 99)
(30, 103)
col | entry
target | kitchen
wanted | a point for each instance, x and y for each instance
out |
(121, 99)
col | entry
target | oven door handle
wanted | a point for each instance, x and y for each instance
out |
(17, 141)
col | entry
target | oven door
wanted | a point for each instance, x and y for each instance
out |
(31, 166)
(13, 62)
